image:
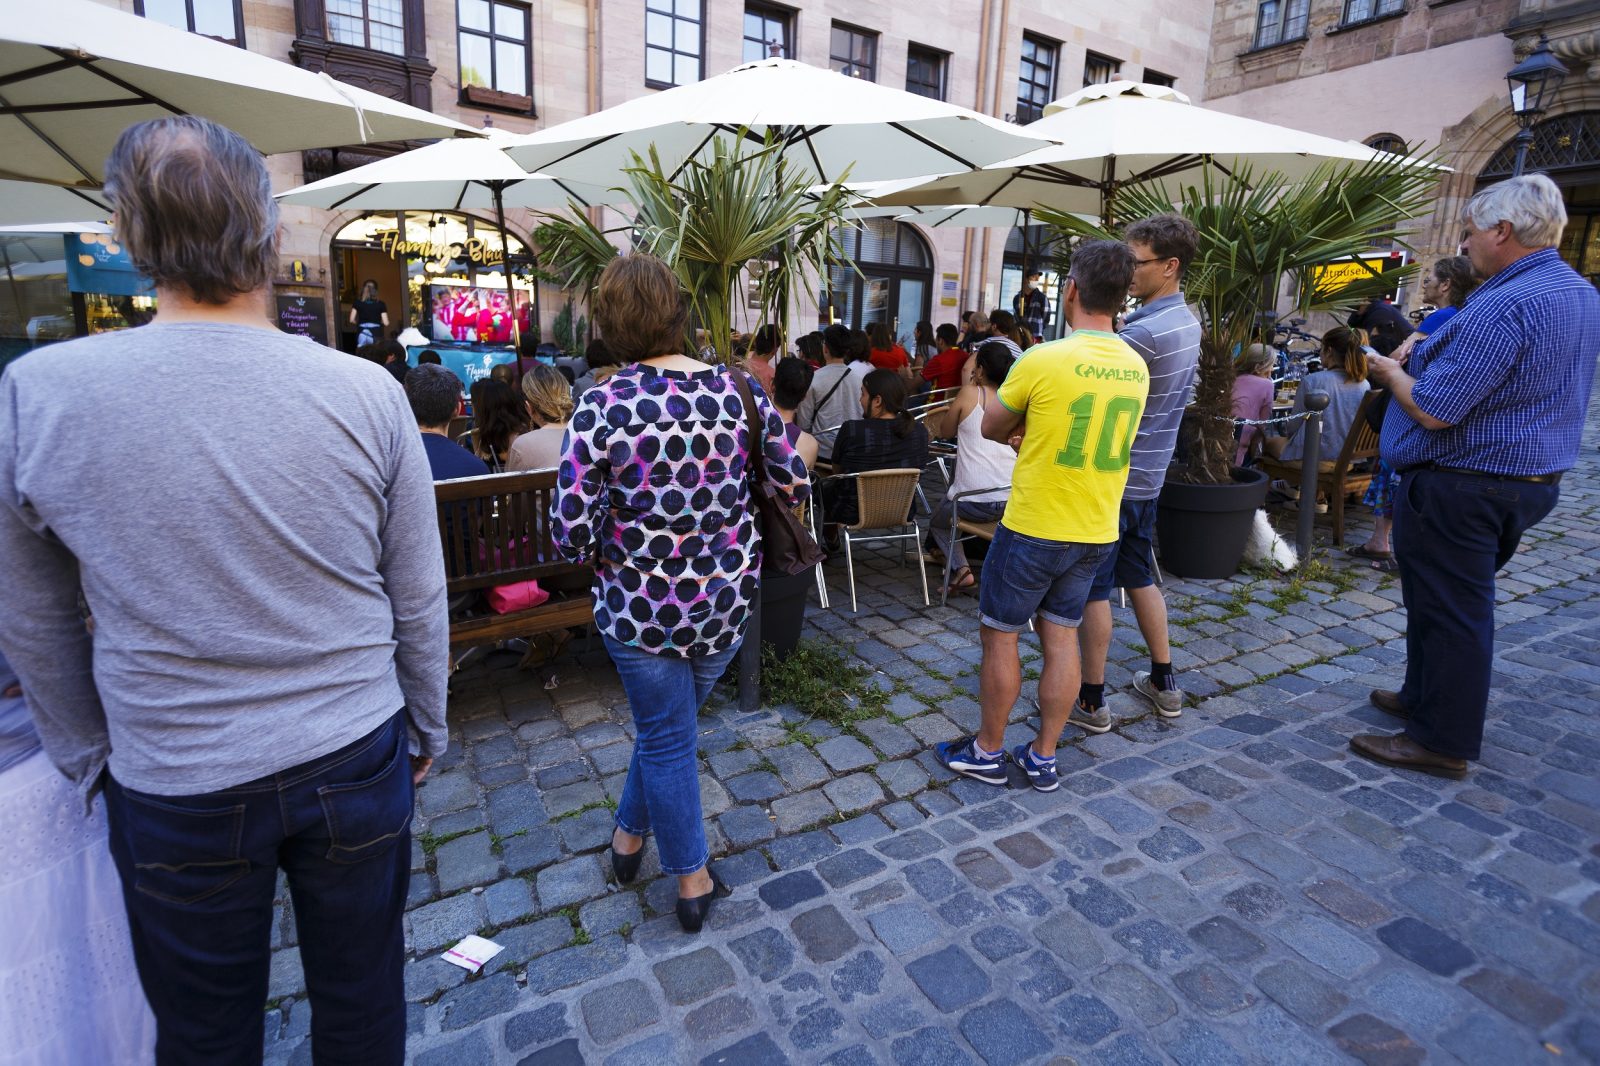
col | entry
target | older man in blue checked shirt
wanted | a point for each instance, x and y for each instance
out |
(1487, 415)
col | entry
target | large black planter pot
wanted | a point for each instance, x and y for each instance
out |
(1203, 529)
(783, 609)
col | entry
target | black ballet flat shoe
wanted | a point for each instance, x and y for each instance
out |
(692, 911)
(626, 867)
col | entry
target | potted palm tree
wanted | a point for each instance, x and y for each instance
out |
(734, 212)
(1257, 232)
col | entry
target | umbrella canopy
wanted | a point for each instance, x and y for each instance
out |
(36, 228)
(830, 124)
(454, 175)
(74, 74)
(1122, 133)
(23, 202)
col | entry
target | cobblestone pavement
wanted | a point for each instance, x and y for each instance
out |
(1233, 886)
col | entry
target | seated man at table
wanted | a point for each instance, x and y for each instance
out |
(435, 393)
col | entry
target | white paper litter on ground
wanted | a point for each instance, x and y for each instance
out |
(472, 953)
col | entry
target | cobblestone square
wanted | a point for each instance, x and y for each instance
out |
(1232, 886)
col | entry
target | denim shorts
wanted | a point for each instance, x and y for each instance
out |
(1024, 576)
(1128, 567)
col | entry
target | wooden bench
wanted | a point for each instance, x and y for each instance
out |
(496, 530)
(1338, 481)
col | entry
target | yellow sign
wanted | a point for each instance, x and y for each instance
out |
(948, 284)
(473, 248)
(1331, 277)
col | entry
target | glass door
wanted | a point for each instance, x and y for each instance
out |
(909, 309)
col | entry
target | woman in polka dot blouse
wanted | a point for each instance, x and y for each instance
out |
(652, 490)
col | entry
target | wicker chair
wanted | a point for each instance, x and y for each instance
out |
(883, 501)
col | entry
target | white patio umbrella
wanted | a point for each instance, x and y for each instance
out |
(23, 202)
(830, 124)
(74, 74)
(455, 175)
(1122, 133)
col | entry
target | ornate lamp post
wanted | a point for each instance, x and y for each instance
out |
(1533, 83)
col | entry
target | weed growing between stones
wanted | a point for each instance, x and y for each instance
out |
(822, 682)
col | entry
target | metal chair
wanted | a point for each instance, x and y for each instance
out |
(883, 501)
(961, 528)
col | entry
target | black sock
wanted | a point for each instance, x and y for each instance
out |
(1161, 676)
(1092, 696)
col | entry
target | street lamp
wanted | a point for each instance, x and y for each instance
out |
(1533, 83)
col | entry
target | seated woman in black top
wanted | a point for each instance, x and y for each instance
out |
(886, 438)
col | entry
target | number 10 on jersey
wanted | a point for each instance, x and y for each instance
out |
(1113, 444)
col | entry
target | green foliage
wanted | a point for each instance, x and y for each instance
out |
(709, 221)
(562, 328)
(1255, 231)
(823, 682)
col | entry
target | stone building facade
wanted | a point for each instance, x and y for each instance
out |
(552, 60)
(1426, 75)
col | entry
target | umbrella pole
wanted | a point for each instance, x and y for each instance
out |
(497, 188)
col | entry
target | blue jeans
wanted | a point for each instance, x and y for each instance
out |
(198, 877)
(1452, 533)
(1024, 576)
(1127, 566)
(662, 792)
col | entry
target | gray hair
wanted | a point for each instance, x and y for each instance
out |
(1531, 204)
(433, 392)
(194, 207)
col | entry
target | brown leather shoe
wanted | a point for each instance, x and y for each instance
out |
(1401, 750)
(1389, 702)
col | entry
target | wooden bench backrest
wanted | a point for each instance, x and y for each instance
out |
(496, 529)
(1362, 440)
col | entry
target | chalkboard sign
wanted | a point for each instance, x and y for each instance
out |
(305, 316)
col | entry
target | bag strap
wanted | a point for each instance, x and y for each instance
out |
(842, 379)
(758, 433)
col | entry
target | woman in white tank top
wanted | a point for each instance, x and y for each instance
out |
(980, 463)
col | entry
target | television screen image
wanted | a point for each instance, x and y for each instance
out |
(475, 315)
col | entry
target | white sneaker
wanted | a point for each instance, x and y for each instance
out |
(1167, 702)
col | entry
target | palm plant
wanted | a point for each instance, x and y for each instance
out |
(1255, 232)
(709, 222)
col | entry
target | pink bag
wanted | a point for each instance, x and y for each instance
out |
(517, 596)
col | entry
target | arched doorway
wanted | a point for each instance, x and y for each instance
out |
(1566, 147)
(429, 266)
(895, 279)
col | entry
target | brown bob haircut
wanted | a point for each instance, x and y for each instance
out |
(640, 308)
(194, 207)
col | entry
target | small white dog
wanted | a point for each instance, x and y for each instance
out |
(1266, 547)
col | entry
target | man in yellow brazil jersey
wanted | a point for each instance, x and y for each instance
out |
(1071, 408)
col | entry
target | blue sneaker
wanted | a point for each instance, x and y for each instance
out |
(1042, 775)
(963, 757)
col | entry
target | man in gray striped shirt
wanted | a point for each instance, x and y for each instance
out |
(1166, 335)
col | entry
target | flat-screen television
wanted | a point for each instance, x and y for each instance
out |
(469, 315)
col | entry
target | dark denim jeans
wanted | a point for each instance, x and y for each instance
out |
(662, 792)
(198, 876)
(1452, 533)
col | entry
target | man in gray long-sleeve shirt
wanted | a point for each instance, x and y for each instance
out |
(249, 516)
